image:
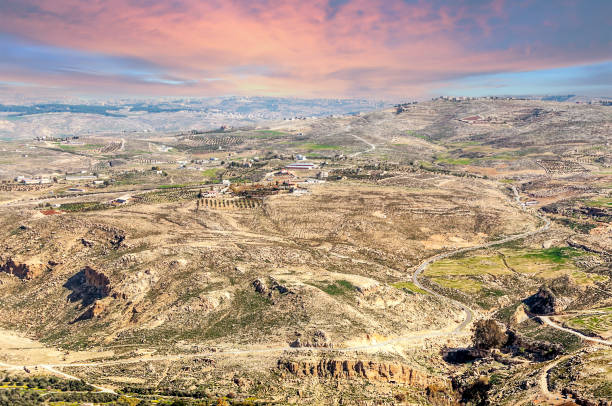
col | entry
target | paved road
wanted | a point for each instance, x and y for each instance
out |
(552, 324)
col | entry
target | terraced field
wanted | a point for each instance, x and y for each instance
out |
(599, 323)
(497, 276)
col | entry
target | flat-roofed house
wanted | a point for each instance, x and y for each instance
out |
(301, 166)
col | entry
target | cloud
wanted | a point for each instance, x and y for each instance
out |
(314, 48)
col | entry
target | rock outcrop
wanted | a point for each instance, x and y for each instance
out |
(21, 270)
(373, 371)
(97, 280)
(543, 302)
(94, 311)
(518, 316)
(88, 285)
(318, 339)
(260, 286)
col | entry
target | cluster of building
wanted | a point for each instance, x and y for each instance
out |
(56, 139)
(82, 177)
(33, 181)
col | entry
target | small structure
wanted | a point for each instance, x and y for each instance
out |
(32, 181)
(73, 178)
(301, 166)
(298, 191)
(121, 200)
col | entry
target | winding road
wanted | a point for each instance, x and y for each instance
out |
(469, 314)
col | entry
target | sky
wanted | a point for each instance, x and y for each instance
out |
(384, 49)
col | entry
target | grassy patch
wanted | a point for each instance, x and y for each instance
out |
(66, 147)
(83, 147)
(493, 292)
(604, 390)
(600, 202)
(269, 134)
(454, 161)
(477, 265)
(586, 278)
(503, 157)
(583, 228)
(463, 284)
(569, 341)
(176, 186)
(211, 173)
(544, 263)
(558, 255)
(421, 136)
(337, 288)
(505, 313)
(318, 147)
(409, 286)
(247, 310)
(463, 144)
(598, 323)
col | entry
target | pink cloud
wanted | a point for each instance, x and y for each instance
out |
(281, 46)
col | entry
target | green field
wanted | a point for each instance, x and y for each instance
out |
(337, 288)
(409, 286)
(472, 274)
(454, 161)
(211, 173)
(463, 284)
(600, 202)
(477, 265)
(317, 147)
(269, 134)
(85, 147)
(84, 206)
(594, 323)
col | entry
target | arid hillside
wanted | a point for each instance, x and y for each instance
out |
(446, 252)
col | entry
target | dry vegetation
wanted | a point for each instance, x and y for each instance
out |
(172, 283)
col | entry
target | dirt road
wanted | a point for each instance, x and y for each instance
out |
(546, 396)
(372, 146)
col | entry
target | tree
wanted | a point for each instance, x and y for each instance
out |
(488, 334)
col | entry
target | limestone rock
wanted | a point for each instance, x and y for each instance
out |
(260, 286)
(543, 302)
(318, 339)
(391, 372)
(21, 270)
